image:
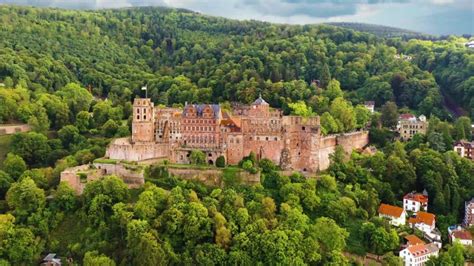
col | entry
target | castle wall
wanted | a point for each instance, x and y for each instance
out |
(132, 176)
(349, 142)
(122, 149)
(213, 177)
(327, 146)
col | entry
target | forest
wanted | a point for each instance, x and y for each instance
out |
(72, 75)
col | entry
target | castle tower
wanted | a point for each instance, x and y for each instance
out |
(259, 108)
(143, 121)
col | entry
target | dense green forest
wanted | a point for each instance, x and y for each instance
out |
(71, 75)
(382, 31)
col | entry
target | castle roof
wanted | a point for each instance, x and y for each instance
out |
(418, 197)
(260, 101)
(422, 217)
(390, 210)
(200, 107)
(407, 116)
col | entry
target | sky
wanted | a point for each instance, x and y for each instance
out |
(427, 16)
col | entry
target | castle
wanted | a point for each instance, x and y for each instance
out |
(293, 142)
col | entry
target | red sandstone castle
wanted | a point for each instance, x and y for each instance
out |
(293, 142)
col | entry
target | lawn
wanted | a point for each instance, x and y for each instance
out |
(4, 147)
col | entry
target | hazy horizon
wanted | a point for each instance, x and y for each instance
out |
(439, 17)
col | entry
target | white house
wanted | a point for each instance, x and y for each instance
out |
(415, 202)
(424, 221)
(457, 233)
(417, 255)
(469, 213)
(396, 215)
(370, 105)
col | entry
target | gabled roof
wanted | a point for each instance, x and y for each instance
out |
(200, 107)
(414, 240)
(423, 217)
(421, 250)
(390, 210)
(416, 197)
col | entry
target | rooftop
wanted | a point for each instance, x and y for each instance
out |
(390, 210)
(414, 240)
(423, 217)
(260, 101)
(462, 234)
(421, 250)
(418, 197)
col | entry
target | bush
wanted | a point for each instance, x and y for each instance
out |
(220, 161)
(197, 157)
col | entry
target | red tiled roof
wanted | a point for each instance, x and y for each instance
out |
(423, 217)
(390, 210)
(416, 197)
(421, 250)
(414, 240)
(407, 116)
(462, 234)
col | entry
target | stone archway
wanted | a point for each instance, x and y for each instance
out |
(210, 162)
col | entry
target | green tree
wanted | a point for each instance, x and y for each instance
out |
(197, 157)
(32, 147)
(70, 136)
(92, 258)
(19, 245)
(220, 161)
(301, 109)
(389, 116)
(83, 119)
(333, 90)
(65, 198)
(362, 115)
(328, 124)
(25, 198)
(109, 129)
(14, 165)
(343, 113)
(5, 183)
(77, 98)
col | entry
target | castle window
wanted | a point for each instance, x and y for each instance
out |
(258, 138)
(138, 110)
(304, 128)
(237, 140)
(144, 116)
(138, 116)
(276, 138)
(144, 110)
(266, 138)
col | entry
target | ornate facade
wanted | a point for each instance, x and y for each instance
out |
(293, 142)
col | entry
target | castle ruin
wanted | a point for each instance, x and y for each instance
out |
(293, 142)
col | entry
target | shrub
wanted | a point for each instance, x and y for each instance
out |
(220, 161)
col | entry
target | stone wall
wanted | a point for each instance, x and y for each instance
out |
(348, 141)
(132, 175)
(213, 177)
(12, 129)
(122, 149)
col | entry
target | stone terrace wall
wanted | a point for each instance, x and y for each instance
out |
(11, 129)
(132, 177)
(213, 177)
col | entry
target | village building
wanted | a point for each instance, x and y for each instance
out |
(412, 240)
(423, 221)
(469, 213)
(463, 236)
(370, 105)
(51, 260)
(418, 255)
(396, 215)
(465, 149)
(415, 202)
(292, 142)
(409, 125)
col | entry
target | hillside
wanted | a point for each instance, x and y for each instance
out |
(382, 31)
(209, 59)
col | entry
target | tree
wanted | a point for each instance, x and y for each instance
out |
(362, 116)
(197, 157)
(389, 116)
(328, 124)
(69, 136)
(14, 165)
(462, 128)
(343, 113)
(65, 198)
(32, 147)
(301, 109)
(109, 129)
(5, 182)
(83, 121)
(220, 161)
(77, 98)
(329, 235)
(333, 90)
(92, 258)
(25, 198)
(19, 245)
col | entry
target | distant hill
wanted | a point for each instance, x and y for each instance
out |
(383, 31)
